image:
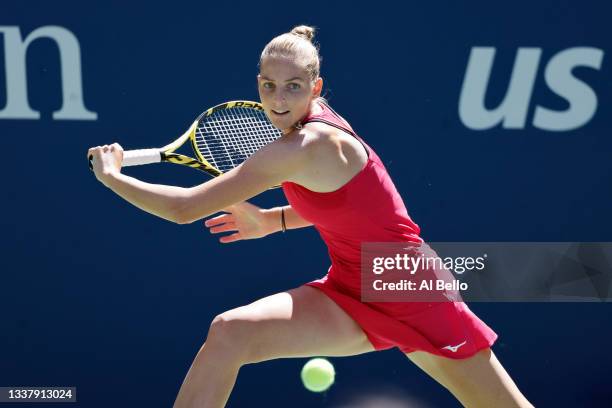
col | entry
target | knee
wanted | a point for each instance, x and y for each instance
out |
(229, 335)
(226, 329)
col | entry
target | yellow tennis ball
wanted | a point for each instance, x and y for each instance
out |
(318, 375)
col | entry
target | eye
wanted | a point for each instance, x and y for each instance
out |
(268, 85)
(293, 86)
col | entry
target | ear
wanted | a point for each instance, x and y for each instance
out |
(318, 87)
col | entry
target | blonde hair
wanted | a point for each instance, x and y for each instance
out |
(296, 44)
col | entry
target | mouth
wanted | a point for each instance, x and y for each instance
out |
(280, 113)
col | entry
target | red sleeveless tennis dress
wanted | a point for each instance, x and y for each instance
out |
(368, 208)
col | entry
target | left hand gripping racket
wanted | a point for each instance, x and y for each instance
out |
(222, 138)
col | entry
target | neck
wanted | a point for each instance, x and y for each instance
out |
(315, 108)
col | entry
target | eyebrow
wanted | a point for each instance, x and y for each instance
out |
(288, 80)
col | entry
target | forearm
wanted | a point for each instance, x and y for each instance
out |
(292, 219)
(185, 205)
(160, 200)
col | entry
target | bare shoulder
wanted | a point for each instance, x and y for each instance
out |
(318, 156)
(320, 140)
(326, 141)
(329, 157)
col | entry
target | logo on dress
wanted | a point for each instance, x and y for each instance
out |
(454, 348)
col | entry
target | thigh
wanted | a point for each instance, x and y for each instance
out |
(301, 322)
(477, 381)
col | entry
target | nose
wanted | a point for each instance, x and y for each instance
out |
(279, 97)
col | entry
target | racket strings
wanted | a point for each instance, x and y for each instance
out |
(230, 136)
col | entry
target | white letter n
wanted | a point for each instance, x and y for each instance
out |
(17, 105)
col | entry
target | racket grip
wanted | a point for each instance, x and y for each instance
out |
(140, 157)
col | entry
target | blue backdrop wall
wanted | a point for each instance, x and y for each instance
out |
(88, 297)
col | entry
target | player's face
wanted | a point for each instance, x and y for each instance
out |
(286, 91)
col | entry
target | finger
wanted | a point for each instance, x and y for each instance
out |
(92, 150)
(90, 158)
(94, 154)
(220, 219)
(230, 238)
(230, 226)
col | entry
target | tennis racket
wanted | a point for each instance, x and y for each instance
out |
(222, 138)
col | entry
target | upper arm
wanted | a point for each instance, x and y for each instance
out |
(266, 168)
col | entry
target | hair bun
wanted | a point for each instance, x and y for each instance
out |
(304, 31)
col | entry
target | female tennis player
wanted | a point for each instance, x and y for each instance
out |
(336, 182)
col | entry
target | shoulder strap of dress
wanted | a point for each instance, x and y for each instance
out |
(324, 118)
(332, 118)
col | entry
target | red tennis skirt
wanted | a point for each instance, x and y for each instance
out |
(448, 329)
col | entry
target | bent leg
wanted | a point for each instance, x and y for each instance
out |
(477, 381)
(302, 322)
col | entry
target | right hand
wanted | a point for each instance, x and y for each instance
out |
(106, 160)
(248, 220)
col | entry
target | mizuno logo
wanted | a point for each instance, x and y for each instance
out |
(454, 348)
